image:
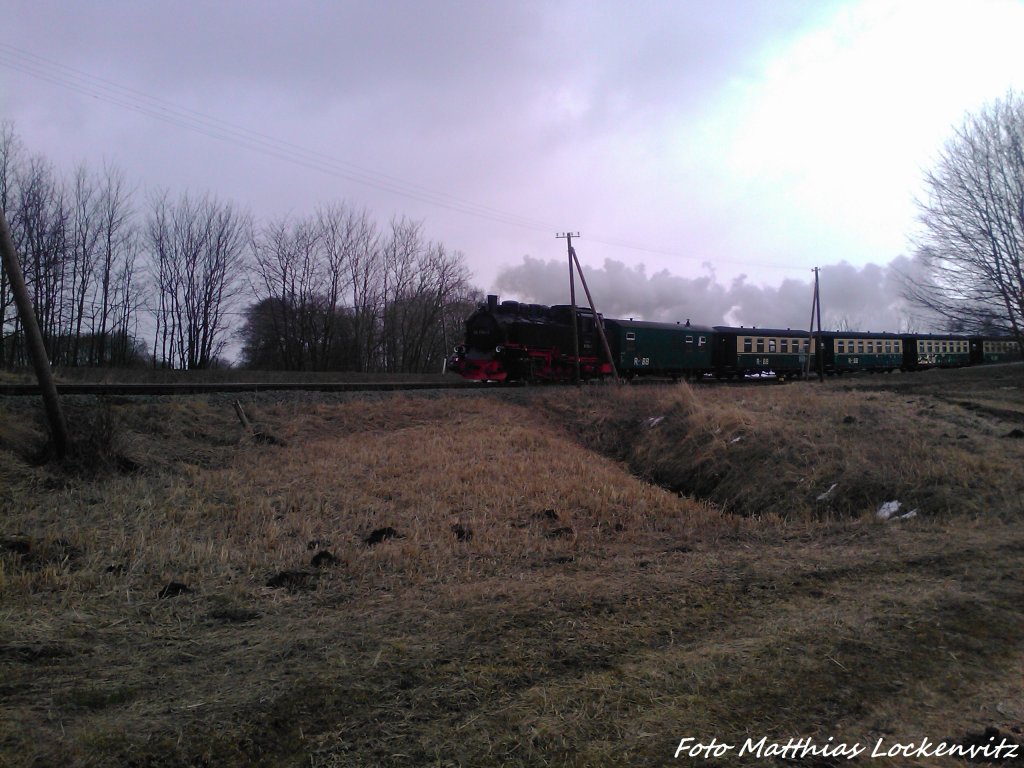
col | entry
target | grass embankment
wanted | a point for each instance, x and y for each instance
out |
(536, 600)
(806, 452)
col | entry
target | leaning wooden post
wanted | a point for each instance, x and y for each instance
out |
(34, 340)
(593, 309)
(246, 424)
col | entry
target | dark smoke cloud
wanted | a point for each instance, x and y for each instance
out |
(867, 298)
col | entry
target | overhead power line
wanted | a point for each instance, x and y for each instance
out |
(146, 104)
(182, 117)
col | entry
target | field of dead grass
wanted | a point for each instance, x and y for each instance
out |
(519, 577)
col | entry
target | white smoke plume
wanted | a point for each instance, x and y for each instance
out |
(867, 298)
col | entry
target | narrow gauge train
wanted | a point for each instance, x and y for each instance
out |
(511, 341)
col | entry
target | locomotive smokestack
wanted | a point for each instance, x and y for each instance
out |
(492, 303)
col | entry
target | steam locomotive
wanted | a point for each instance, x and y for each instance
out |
(512, 341)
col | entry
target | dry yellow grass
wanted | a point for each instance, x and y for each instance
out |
(591, 617)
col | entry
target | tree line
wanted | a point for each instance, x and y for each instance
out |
(167, 284)
(174, 282)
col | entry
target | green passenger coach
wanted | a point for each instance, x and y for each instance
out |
(742, 351)
(853, 351)
(935, 351)
(994, 349)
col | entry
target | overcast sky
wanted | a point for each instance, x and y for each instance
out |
(709, 152)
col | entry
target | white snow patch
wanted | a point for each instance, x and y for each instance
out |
(826, 494)
(655, 421)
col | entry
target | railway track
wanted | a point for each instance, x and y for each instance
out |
(14, 390)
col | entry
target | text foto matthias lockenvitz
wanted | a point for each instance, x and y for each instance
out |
(997, 748)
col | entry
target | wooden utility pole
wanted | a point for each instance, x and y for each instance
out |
(819, 347)
(814, 341)
(574, 263)
(572, 299)
(34, 341)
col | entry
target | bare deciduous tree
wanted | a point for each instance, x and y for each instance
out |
(10, 154)
(287, 280)
(197, 249)
(973, 238)
(116, 303)
(351, 247)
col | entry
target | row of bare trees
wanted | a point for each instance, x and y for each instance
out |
(337, 291)
(79, 251)
(334, 291)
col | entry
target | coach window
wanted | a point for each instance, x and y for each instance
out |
(760, 345)
(748, 344)
(771, 345)
(784, 346)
